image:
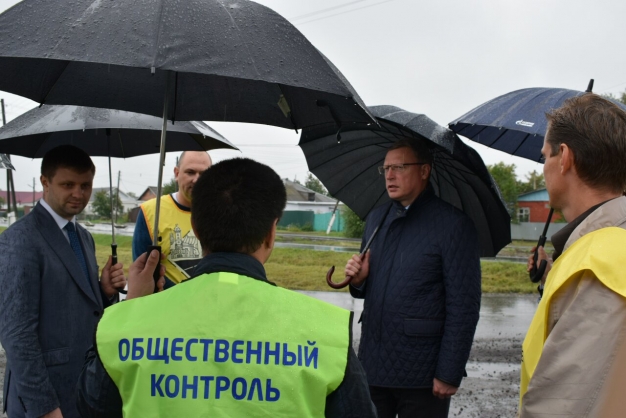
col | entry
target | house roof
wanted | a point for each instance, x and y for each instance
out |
(298, 193)
(123, 196)
(22, 197)
(152, 189)
(539, 195)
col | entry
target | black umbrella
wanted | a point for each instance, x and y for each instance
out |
(515, 122)
(224, 60)
(220, 60)
(348, 169)
(102, 132)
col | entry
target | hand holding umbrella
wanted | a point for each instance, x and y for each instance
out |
(357, 268)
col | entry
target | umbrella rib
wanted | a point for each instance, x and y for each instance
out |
(354, 177)
(54, 85)
(119, 136)
(520, 144)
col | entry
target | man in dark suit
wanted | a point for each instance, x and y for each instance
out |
(50, 295)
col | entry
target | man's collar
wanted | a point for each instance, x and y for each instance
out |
(559, 239)
(425, 195)
(238, 263)
(61, 221)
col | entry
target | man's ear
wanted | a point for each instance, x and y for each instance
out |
(176, 171)
(195, 232)
(271, 236)
(44, 181)
(426, 168)
(567, 158)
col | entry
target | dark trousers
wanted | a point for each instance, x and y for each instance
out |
(408, 403)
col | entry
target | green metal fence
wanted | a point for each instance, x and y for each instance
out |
(307, 220)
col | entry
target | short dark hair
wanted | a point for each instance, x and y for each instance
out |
(595, 130)
(234, 205)
(419, 148)
(66, 156)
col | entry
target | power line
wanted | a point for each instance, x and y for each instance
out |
(611, 88)
(324, 10)
(341, 13)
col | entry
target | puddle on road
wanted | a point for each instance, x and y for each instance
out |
(337, 248)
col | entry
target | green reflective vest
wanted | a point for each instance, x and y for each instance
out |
(223, 345)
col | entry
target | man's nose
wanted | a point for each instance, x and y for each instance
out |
(390, 174)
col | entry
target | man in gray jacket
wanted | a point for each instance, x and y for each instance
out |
(51, 298)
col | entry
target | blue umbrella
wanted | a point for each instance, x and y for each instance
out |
(515, 123)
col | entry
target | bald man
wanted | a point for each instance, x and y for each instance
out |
(178, 242)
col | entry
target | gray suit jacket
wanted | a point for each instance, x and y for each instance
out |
(48, 314)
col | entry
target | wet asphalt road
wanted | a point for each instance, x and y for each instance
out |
(492, 387)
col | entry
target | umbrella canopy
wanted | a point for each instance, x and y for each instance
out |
(130, 134)
(348, 169)
(5, 162)
(102, 132)
(221, 60)
(514, 123)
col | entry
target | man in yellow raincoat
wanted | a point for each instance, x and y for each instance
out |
(576, 343)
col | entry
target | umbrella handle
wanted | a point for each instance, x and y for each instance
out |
(536, 273)
(329, 280)
(113, 254)
(157, 270)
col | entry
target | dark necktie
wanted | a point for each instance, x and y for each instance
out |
(75, 243)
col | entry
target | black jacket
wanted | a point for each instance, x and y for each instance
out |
(422, 296)
(98, 397)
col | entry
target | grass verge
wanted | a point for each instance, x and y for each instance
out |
(306, 270)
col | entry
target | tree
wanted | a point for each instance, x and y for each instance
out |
(2, 202)
(170, 187)
(102, 204)
(133, 195)
(314, 184)
(354, 226)
(534, 181)
(504, 176)
(621, 97)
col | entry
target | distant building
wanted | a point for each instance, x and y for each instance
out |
(149, 193)
(300, 198)
(534, 207)
(22, 199)
(128, 202)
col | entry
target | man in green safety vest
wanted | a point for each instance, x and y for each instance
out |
(228, 342)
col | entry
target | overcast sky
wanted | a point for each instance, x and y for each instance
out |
(437, 57)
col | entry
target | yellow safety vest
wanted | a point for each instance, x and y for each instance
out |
(601, 252)
(177, 240)
(237, 347)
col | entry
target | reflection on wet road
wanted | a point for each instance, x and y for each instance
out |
(492, 386)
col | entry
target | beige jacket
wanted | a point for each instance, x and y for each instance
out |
(582, 370)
